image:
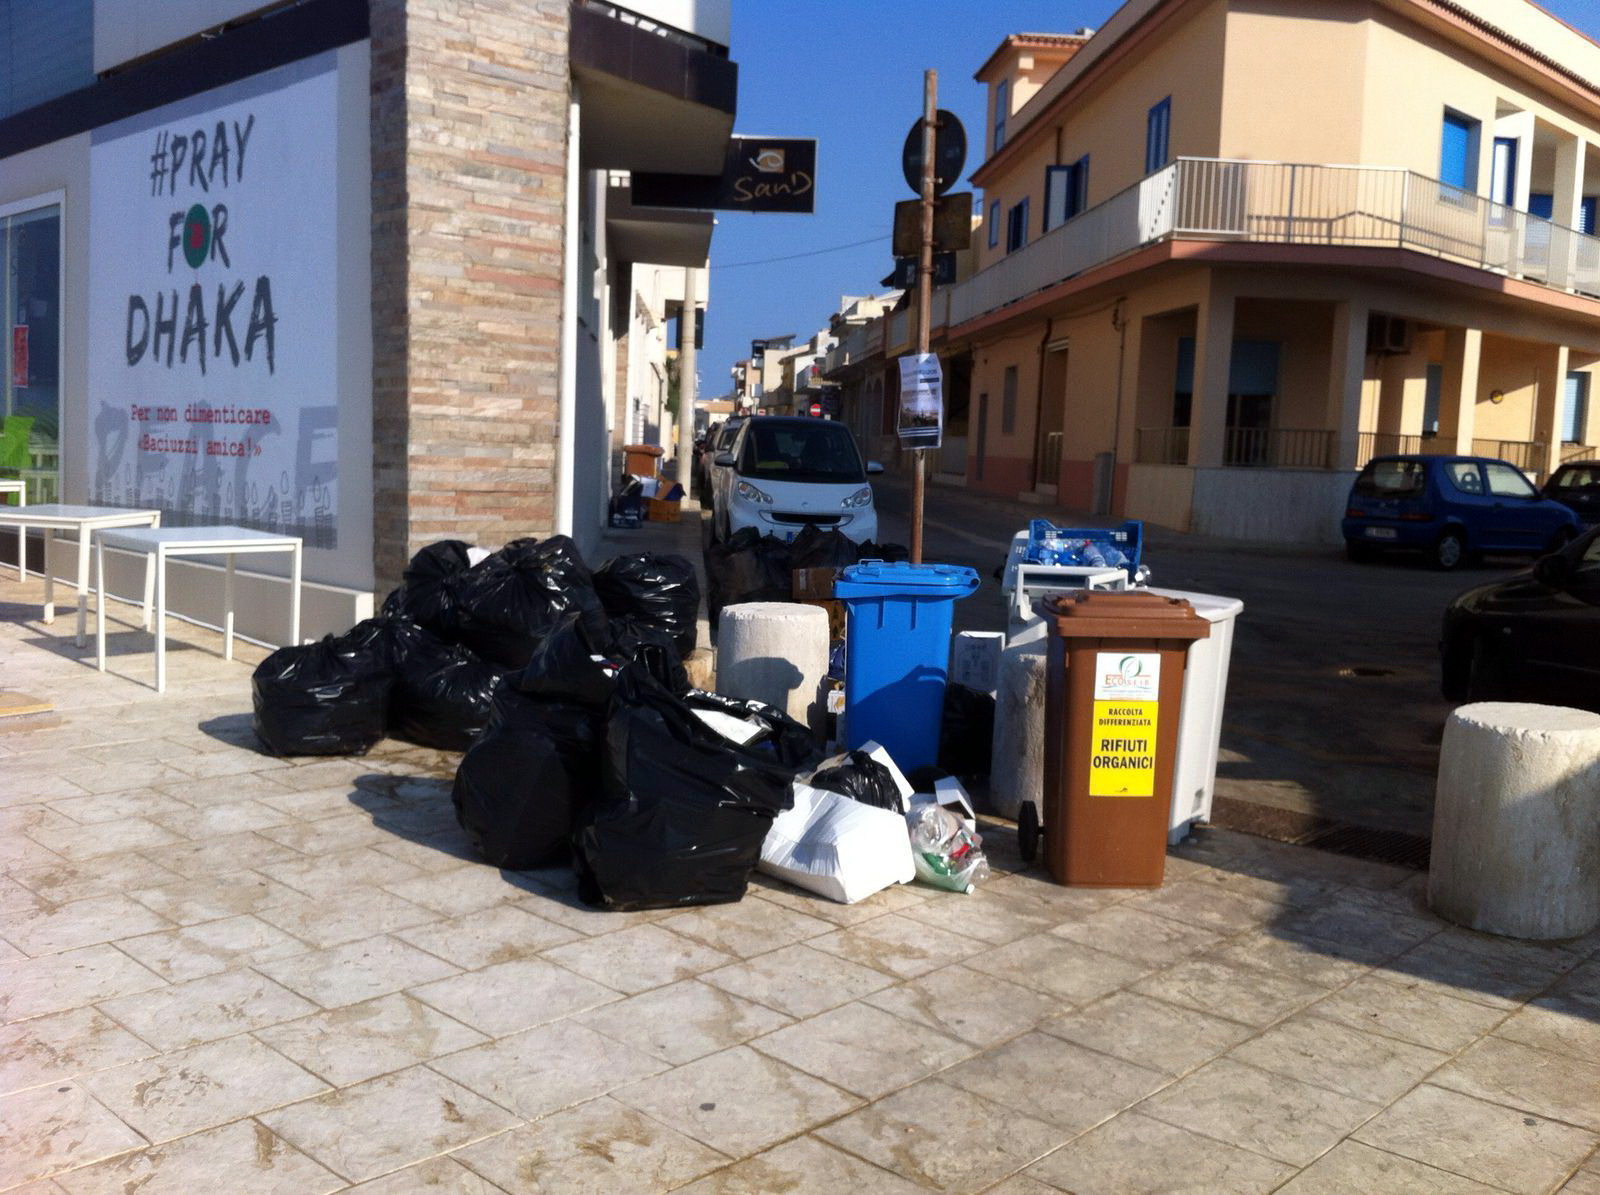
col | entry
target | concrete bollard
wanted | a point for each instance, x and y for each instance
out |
(1516, 821)
(1017, 773)
(775, 652)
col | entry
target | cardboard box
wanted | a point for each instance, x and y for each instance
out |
(663, 512)
(835, 611)
(813, 584)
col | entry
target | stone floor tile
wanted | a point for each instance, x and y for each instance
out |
(1254, 997)
(104, 838)
(201, 1010)
(1021, 1184)
(361, 1041)
(212, 946)
(966, 1004)
(1152, 1033)
(1581, 986)
(863, 1049)
(459, 891)
(1585, 1182)
(597, 1148)
(942, 1137)
(174, 1095)
(985, 915)
(1387, 1003)
(1224, 912)
(752, 926)
(1493, 1144)
(1359, 924)
(243, 1156)
(1139, 936)
(62, 1045)
(1037, 892)
(1324, 964)
(1059, 968)
(1271, 1114)
(738, 1101)
(212, 821)
(508, 997)
(80, 923)
(189, 902)
(1559, 1086)
(498, 935)
(683, 1021)
(445, 1175)
(1502, 980)
(53, 1129)
(548, 1068)
(432, 854)
(1136, 1153)
(1353, 1167)
(356, 971)
(383, 1124)
(798, 980)
(804, 1166)
(893, 899)
(209, 791)
(356, 913)
(322, 877)
(635, 960)
(1328, 1054)
(1055, 1080)
(328, 835)
(310, 805)
(1556, 1023)
(16, 901)
(218, 856)
(108, 875)
(109, 807)
(54, 982)
(564, 908)
(897, 944)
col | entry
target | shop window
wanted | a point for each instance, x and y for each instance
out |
(1008, 402)
(1158, 136)
(1017, 226)
(30, 419)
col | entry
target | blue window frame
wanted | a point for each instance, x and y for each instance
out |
(1066, 191)
(1002, 102)
(1503, 172)
(1458, 151)
(1541, 204)
(1586, 214)
(1158, 136)
(1017, 226)
(994, 223)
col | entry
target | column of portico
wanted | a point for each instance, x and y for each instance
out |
(1549, 396)
(1347, 369)
(1213, 357)
(1567, 208)
(1458, 393)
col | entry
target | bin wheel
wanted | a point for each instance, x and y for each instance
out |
(1028, 831)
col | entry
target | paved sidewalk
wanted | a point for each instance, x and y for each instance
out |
(223, 971)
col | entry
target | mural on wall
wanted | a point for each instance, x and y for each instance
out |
(213, 308)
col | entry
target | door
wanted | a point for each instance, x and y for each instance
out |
(1517, 519)
(1463, 496)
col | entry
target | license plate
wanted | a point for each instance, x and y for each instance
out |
(1380, 532)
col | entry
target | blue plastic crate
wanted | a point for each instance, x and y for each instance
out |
(1127, 539)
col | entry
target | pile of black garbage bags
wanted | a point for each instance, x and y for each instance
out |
(566, 690)
(751, 567)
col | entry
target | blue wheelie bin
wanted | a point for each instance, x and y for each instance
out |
(897, 654)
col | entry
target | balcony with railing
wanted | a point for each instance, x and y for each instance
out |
(1289, 203)
(1244, 447)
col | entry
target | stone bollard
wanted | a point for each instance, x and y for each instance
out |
(1017, 773)
(1516, 821)
(775, 652)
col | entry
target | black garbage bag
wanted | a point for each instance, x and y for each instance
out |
(511, 600)
(574, 665)
(326, 698)
(966, 732)
(748, 567)
(684, 809)
(648, 592)
(893, 553)
(427, 594)
(815, 548)
(524, 781)
(443, 694)
(861, 778)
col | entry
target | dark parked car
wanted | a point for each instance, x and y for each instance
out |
(1531, 637)
(1577, 485)
(1452, 508)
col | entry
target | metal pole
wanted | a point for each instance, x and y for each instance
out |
(930, 91)
(686, 380)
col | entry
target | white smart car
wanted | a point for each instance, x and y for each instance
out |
(785, 473)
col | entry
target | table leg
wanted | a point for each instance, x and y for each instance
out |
(84, 536)
(161, 620)
(227, 610)
(149, 587)
(100, 606)
(49, 577)
(294, 597)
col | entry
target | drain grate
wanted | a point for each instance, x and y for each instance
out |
(1322, 833)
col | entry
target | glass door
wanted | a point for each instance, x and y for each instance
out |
(30, 417)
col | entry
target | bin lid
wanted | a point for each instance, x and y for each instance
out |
(1121, 614)
(646, 449)
(1212, 607)
(946, 580)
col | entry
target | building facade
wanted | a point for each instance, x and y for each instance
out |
(1234, 248)
(360, 270)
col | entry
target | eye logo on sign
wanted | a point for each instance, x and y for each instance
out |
(196, 236)
(769, 161)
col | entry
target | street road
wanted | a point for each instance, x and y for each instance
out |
(1333, 699)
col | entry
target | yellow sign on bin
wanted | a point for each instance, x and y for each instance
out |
(1122, 746)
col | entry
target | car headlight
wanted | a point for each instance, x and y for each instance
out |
(862, 497)
(750, 494)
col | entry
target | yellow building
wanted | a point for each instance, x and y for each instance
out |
(1234, 248)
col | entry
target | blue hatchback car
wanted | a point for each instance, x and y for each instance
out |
(1452, 508)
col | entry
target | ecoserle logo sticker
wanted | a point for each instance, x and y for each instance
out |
(1127, 676)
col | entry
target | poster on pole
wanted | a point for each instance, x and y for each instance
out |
(213, 358)
(921, 422)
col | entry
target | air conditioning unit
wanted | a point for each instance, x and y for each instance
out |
(1388, 334)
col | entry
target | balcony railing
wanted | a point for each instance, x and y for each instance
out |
(1162, 446)
(1579, 452)
(1289, 203)
(1524, 454)
(1373, 444)
(1244, 447)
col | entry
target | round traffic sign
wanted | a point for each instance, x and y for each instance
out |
(949, 153)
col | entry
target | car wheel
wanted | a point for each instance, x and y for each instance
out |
(1359, 552)
(1449, 551)
(1562, 537)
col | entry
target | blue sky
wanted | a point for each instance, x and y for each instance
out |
(849, 72)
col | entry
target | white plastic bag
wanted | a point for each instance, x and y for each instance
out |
(836, 847)
(945, 853)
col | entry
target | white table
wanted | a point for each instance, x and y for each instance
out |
(85, 520)
(160, 544)
(20, 489)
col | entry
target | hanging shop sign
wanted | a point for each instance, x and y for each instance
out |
(759, 174)
(213, 363)
(921, 420)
